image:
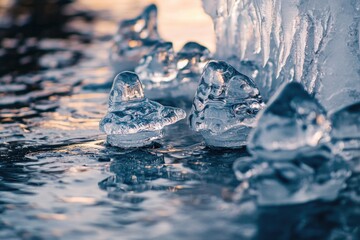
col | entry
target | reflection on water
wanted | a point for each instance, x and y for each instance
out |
(59, 181)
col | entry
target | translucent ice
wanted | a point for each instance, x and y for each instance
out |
(133, 120)
(134, 39)
(293, 123)
(225, 106)
(191, 60)
(312, 42)
(166, 74)
(295, 181)
(345, 131)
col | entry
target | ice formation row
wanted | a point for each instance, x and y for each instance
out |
(299, 151)
(164, 73)
(276, 41)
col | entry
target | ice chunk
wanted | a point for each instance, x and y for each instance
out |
(191, 60)
(295, 181)
(166, 74)
(312, 42)
(345, 131)
(132, 119)
(158, 69)
(225, 106)
(134, 39)
(292, 123)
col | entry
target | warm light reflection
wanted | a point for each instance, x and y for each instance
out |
(189, 24)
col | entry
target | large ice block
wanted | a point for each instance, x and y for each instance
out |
(276, 41)
(293, 123)
(132, 119)
(225, 106)
(134, 39)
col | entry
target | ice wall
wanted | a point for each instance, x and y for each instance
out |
(315, 42)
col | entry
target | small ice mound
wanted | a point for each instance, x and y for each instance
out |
(132, 119)
(191, 60)
(134, 39)
(292, 123)
(158, 69)
(225, 106)
(296, 181)
(166, 74)
(345, 131)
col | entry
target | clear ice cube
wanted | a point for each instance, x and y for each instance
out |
(134, 39)
(312, 42)
(295, 181)
(132, 119)
(225, 106)
(166, 74)
(345, 131)
(293, 123)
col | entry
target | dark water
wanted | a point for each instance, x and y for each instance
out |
(58, 180)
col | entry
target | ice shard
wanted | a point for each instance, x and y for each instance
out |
(134, 39)
(132, 119)
(295, 181)
(166, 74)
(293, 123)
(276, 41)
(225, 106)
(345, 131)
(292, 161)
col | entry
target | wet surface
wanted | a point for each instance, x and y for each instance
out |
(58, 180)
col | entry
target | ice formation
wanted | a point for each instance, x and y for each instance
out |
(292, 123)
(225, 106)
(345, 131)
(295, 181)
(276, 41)
(291, 160)
(166, 74)
(132, 119)
(134, 39)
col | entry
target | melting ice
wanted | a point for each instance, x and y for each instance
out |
(166, 74)
(276, 41)
(292, 162)
(132, 119)
(134, 39)
(225, 106)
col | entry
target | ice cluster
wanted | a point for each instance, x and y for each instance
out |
(166, 74)
(291, 159)
(134, 39)
(132, 119)
(225, 106)
(276, 41)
